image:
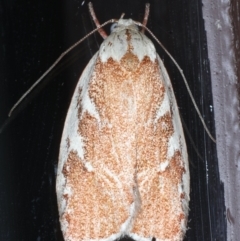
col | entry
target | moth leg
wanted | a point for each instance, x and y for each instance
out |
(146, 15)
(94, 17)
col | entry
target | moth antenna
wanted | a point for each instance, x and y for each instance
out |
(55, 63)
(184, 79)
(191, 141)
(122, 15)
(94, 18)
(146, 15)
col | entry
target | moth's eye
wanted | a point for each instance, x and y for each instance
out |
(136, 26)
(113, 26)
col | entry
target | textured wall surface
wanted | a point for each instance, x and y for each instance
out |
(222, 27)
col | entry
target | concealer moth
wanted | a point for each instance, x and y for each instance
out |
(123, 163)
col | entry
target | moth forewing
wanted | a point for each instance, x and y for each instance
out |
(179, 136)
(71, 140)
(123, 165)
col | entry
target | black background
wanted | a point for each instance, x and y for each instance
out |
(33, 34)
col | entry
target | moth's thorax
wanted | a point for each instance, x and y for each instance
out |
(126, 38)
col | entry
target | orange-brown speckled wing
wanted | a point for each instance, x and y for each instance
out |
(123, 166)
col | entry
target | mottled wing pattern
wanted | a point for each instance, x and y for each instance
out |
(123, 166)
(163, 175)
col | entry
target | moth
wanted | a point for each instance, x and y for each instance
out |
(123, 163)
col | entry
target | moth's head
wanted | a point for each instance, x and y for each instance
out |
(123, 24)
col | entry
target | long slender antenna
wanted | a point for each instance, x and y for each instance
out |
(55, 63)
(184, 79)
